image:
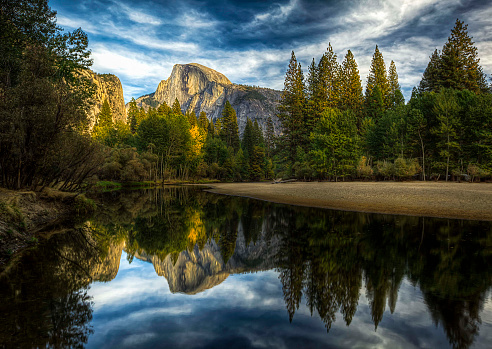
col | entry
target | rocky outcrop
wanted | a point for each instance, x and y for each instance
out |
(107, 86)
(199, 88)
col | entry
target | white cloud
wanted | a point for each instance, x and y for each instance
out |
(74, 23)
(136, 15)
(278, 13)
(119, 61)
(195, 20)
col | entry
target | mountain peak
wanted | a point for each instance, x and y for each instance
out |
(198, 88)
(208, 74)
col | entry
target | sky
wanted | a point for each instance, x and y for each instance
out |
(251, 42)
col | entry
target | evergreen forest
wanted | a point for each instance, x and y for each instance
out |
(330, 128)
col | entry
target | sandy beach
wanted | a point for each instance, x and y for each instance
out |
(432, 199)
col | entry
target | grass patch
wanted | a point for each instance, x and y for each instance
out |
(108, 185)
(206, 181)
(83, 205)
(10, 214)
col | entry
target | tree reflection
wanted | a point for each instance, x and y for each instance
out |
(45, 294)
(324, 259)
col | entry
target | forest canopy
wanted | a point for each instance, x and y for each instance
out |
(330, 127)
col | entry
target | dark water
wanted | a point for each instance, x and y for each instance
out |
(183, 268)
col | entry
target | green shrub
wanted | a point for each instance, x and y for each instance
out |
(11, 214)
(385, 169)
(83, 205)
(406, 168)
(476, 172)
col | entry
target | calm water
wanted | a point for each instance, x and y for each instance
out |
(184, 268)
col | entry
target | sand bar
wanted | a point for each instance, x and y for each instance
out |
(432, 199)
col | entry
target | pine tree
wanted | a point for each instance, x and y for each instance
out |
(292, 108)
(374, 104)
(312, 81)
(203, 120)
(351, 87)
(396, 97)
(217, 129)
(270, 137)
(329, 71)
(133, 115)
(378, 77)
(315, 100)
(460, 67)
(248, 138)
(447, 109)
(258, 135)
(191, 116)
(230, 131)
(430, 79)
(105, 116)
(163, 109)
(176, 108)
(104, 124)
(257, 159)
(211, 129)
(141, 115)
(457, 66)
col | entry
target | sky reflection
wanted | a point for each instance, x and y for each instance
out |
(137, 309)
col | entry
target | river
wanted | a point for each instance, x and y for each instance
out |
(179, 267)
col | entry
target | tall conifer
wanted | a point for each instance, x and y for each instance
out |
(378, 77)
(133, 115)
(258, 134)
(269, 137)
(460, 67)
(457, 66)
(176, 108)
(203, 120)
(430, 79)
(248, 138)
(229, 131)
(328, 70)
(350, 85)
(292, 108)
(396, 97)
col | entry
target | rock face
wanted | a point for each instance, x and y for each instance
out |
(108, 268)
(198, 270)
(108, 87)
(199, 88)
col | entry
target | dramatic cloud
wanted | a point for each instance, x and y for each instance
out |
(250, 42)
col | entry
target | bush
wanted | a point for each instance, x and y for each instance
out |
(406, 168)
(83, 205)
(476, 172)
(10, 213)
(385, 169)
(363, 169)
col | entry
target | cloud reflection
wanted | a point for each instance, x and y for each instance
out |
(137, 309)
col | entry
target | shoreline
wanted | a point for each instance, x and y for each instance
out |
(471, 201)
(23, 214)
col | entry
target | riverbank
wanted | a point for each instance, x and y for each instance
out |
(432, 199)
(25, 213)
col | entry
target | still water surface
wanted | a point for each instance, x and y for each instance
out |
(179, 267)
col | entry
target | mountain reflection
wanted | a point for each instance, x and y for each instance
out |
(196, 240)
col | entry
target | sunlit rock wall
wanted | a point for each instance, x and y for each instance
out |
(199, 88)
